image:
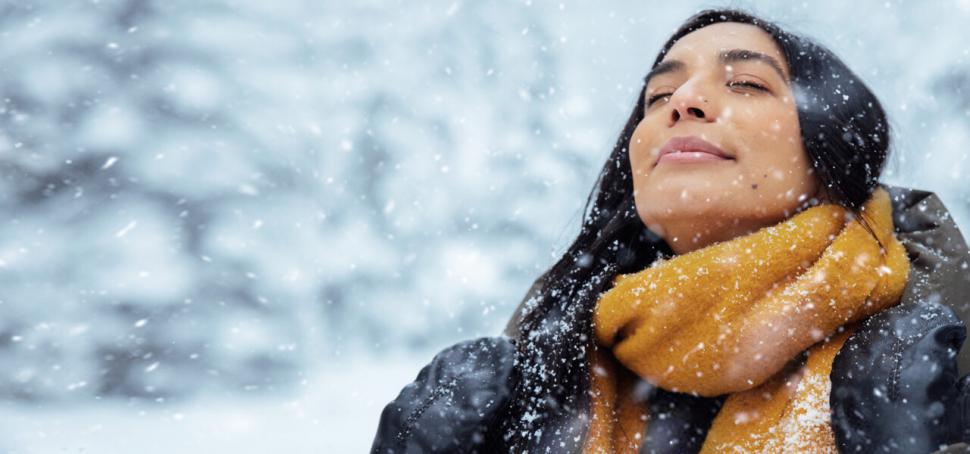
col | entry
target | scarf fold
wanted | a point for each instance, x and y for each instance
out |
(759, 318)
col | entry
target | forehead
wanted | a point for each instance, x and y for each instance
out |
(704, 45)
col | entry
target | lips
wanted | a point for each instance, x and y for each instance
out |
(691, 148)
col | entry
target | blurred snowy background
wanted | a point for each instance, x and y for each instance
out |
(243, 226)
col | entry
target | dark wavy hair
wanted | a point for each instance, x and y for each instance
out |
(846, 137)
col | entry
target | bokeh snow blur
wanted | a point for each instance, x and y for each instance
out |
(243, 226)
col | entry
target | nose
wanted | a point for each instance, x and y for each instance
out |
(689, 103)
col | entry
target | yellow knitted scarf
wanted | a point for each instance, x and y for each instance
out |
(732, 318)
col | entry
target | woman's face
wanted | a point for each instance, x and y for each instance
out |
(722, 89)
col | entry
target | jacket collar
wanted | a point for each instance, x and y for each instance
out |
(938, 255)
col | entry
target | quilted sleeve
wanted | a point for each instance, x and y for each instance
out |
(451, 405)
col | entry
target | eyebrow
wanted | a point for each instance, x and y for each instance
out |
(726, 57)
(664, 67)
(736, 55)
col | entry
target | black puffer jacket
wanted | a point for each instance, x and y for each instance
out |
(896, 383)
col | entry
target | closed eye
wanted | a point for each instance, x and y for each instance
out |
(743, 83)
(657, 97)
(747, 84)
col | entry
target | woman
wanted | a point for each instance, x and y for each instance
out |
(741, 281)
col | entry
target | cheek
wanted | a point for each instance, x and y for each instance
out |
(783, 176)
(768, 124)
(784, 137)
(642, 152)
(776, 140)
(776, 166)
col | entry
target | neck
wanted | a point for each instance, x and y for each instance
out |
(687, 235)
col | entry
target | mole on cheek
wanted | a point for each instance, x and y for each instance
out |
(754, 186)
